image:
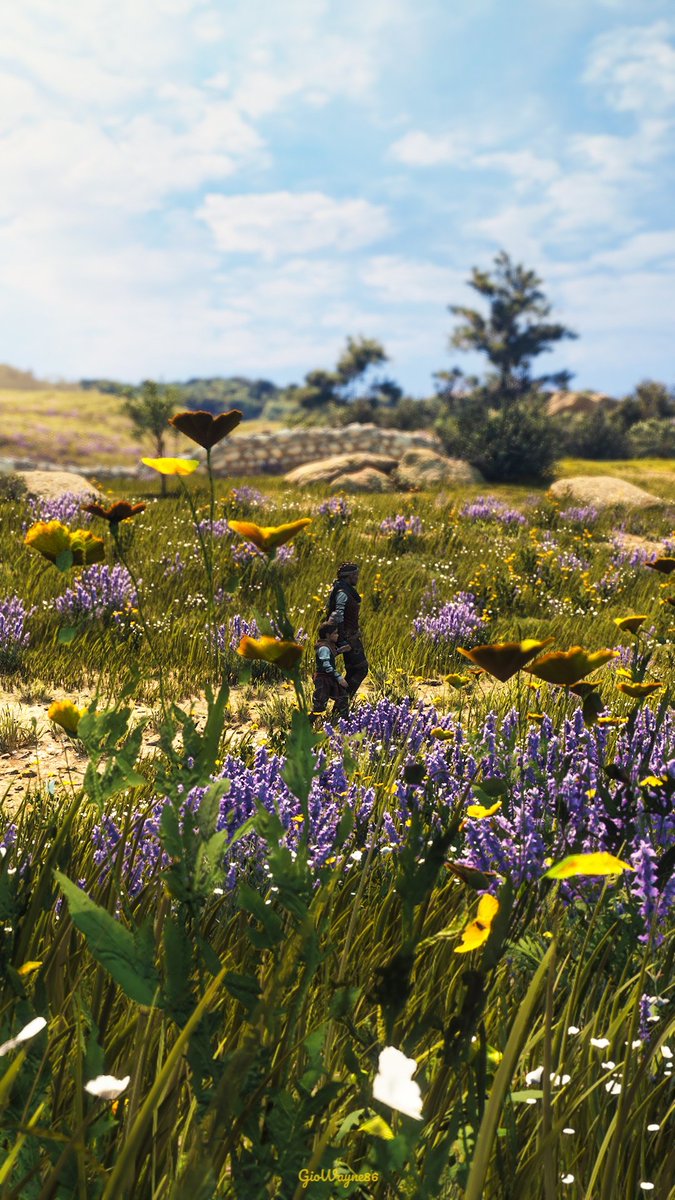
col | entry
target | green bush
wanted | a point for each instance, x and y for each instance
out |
(512, 444)
(597, 435)
(652, 439)
(12, 487)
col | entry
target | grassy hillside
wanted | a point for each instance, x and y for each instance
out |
(72, 426)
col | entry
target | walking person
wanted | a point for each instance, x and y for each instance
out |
(329, 684)
(343, 608)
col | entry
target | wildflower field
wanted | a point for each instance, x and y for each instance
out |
(426, 951)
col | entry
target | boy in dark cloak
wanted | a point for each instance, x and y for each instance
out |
(329, 684)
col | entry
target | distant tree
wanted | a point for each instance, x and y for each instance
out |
(515, 331)
(149, 409)
(648, 401)
(326, 390)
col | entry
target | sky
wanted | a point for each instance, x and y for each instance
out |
(194, 188)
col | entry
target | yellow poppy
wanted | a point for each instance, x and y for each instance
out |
(504, 659)
(565, 667)
(599, 863)
(612, 722)
(282, 654)
(27, 968)
(477, 931)
(172, 466)
(638, 691)
(65, 714)
(52, 539)
(268, 537)
(536, 717)
(205, 429)
(442, 735)
(456, 680)
(632, 623)
(122, 510)
(478, 812)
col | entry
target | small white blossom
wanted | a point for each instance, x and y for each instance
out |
(666, 1052)
(573, 1030)
(29, 1031)
(534, 1076)
(567, 1178)
(568, 1129)
(647, 1187)
(613, 1087)
(608, 1066)
(394, 1085)
(600, 1043)
(106, 1087)
(636, 1044)
(653, 1128)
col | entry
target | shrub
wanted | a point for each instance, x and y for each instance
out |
(12, 487)
(599, 435)
(515, 443)
(652, 439)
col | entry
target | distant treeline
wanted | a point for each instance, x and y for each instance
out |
(215, 394)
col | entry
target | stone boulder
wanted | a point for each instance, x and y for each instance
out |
(365, 480)
(49, 485)
(420, 468)
(603, 491)
(574, 404)
(326, 470)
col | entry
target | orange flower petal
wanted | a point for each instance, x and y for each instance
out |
(565, 667)
(282, 654)
(504, 659)
(268, 537)
(205, 429)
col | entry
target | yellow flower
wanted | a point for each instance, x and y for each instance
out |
(478, 812)
(53, 539)
(172, 466)
(639, 690)
(565, 667)
(282, 654)
(600, 863)
(612, 722)
(27, 968)
(504, 659)
(268, 537)
(442, 735)
(477, 931)
(65, 714)
(632, 623)
(536, 717)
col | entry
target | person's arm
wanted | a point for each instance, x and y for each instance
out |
(340, 605)
(326, 663)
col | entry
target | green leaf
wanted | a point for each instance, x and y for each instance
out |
(492, 787)
(127, 956)
(178, 993)
(300, 766)
(64, 560)
(66, 636)
(244, 988)
(209, 807)
(169, 832)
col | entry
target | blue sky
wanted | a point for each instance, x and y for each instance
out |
(195, 188)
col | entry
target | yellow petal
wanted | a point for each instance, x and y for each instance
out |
(378, 1127)
(28, 967)
(631, 623)
(504, 659)
(172, 466)
(442, 735)
(638, 690)
(477, 931)
(65, 714)
(268, 537)
(565, 667)
(282, 654)
(599, 863)
(478, 812)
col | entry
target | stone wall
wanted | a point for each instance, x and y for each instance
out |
(278, 452)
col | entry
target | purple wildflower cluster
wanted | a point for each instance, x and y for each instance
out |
(457, 621)
(400, 528)
(245, 499)
(99, 592)
(585, 515)
(230, 636)
(244, 553)
(285, 554)
(66, 508)
(14, 637)
(628, 556)
(560, 799)
(336, 511)
(489, 508)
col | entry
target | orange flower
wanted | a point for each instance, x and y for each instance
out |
(67, 715)
(565, 667)
(632, 623)
(63, 546)
(205, 429)
(282, 654)
(268, 537)
(665, 566)
(172, 466)
(122, 510)
(504, 659)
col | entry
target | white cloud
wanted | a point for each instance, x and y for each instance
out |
(276, 224)
(635, 67)
(420, 149)
(398, 280)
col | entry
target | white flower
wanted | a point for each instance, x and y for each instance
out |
(573, 1030)
(613, 1087)
(647, 1187)
(568, 1129)
(653, 1128)
(608, 1066)
(29, 1031)
(666, 1052)
(600, 1043)
(106, 1087)
(560, 1080)
(636, 1044)
(394, 1085)
(567, 1178)
(534, 1076)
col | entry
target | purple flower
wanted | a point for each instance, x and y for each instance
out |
(336, 511)
(489, 508)
(98, 593)
(459, 620)
(580, 516)
(66, 508)
(400, 528)
(14, 637)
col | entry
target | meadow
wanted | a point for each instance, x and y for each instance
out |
(216, 915)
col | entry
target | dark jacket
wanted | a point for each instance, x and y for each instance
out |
(343, 607)
(325, 660)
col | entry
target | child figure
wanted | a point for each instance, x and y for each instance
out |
(328, 683)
